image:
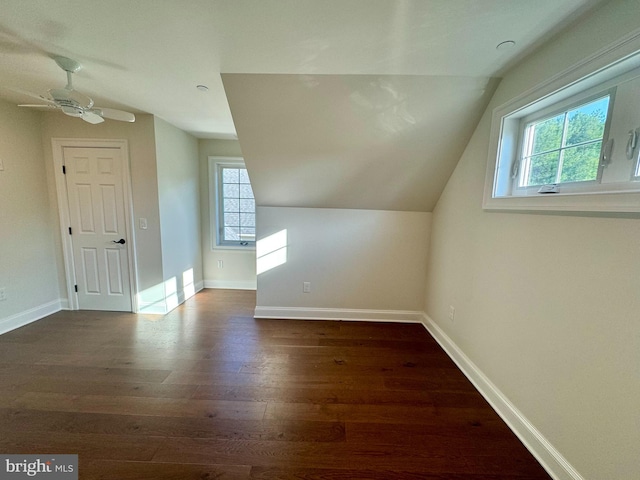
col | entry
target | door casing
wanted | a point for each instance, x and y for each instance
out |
(58, 145)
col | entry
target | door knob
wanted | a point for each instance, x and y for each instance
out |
(121, 241)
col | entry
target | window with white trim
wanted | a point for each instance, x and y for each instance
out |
(571, 144)
(235, 206)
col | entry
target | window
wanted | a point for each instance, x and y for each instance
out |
(235, 207)
(564, 147)
(571, 144)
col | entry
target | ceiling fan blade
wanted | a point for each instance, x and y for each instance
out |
(29, 94)
(92, 118)
(46, 107)
(113, 114)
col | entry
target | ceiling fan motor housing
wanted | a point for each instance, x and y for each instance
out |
(63, 96)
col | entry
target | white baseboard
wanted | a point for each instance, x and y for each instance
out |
(152, 308)
(64, 304)
(24, 318)
(301, 313)
(231, 284)
(550, 458)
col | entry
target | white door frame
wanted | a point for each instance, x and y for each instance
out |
(58, 145)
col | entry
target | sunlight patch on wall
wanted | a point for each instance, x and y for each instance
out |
(271, 251)
(171, 293)
(188, 287)
(152, 300)
(164, 297)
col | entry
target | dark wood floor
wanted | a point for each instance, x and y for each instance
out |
(207, 392)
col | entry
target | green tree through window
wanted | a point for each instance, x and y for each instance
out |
(565, 147)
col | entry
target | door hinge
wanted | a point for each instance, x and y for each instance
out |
(76, 287)
(64, 170)
(70, 231)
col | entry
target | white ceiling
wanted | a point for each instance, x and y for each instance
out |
(147, 56)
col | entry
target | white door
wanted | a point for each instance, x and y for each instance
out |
(94, 178)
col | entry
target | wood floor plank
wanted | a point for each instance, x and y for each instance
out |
(86, 446)
(472, 438)
(380, 414)
(342, 456)
(274, 473)
(352, 413)
(12, 419)
(314, 455)
(209, 392)
(64, 372)
(387, 359)
(444, 381)
(342, 367)
(319, 380)
(141, 405)
(317, 396)
(8, 395)
(107, 388)
(151, 362)
(407, 345)
(109, 470)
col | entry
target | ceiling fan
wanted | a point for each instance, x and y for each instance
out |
(76, 104)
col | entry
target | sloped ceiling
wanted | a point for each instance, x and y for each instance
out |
(346, 62)
(353, 141)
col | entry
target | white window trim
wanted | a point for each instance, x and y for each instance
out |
(214, 208)
(589, 75)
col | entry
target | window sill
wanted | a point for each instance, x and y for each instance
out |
(613, 202)
(234, 248)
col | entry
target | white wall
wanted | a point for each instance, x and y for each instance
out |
(354, 259)
(142, 153)
(239, 266)
(28, 271)
(179, 197)
(547, 306)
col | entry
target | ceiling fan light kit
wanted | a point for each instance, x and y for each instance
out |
(76, 104)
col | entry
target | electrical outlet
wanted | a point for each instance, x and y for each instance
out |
(3, 294)
(306, 287)
(452, 312)
(220, 264)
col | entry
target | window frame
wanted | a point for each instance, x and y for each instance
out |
(216, 214)
(606, 68)
(551, 111)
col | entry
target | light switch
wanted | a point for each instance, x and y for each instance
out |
(143, 223)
